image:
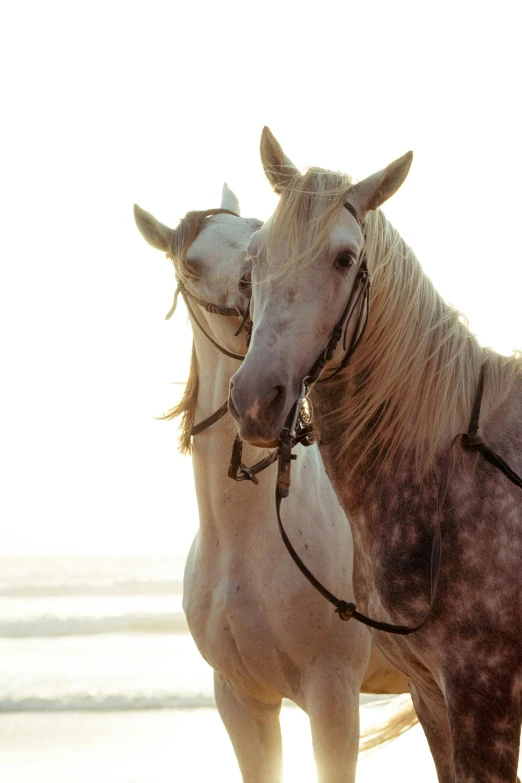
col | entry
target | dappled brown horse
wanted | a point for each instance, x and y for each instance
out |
(386, 424)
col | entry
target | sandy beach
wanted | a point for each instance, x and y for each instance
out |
(153, 746)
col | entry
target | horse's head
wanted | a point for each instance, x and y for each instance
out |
(208, 250)
(306, 264)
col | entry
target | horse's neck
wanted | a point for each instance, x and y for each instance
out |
(358, 476)
(214, 373)
(223, 504)
(326, 400)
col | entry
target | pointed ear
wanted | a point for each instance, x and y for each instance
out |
(377, 188)
(154, 232)
(229, 200)
(278, 168)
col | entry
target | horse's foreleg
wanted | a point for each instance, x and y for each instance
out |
(332, 704)
(432, 714)
(254, 730)
(484, 718)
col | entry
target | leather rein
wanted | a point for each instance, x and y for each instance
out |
(469, 440)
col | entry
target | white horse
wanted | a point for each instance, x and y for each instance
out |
(266, 633)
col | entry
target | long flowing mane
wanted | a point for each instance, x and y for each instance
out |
(186, 407)
(184, 235)
(414, 374)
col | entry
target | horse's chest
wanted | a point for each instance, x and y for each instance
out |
(478, 600)
(213, 604)
(230, 631)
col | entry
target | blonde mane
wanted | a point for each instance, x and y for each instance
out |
(186, 407)
(414, 374)
(183, 236)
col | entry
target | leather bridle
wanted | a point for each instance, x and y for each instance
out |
(299, 424)
(359, 297)
(358, 304)
(215, 310)
(470, 441)
(237, 469)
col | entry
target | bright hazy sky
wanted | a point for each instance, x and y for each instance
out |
(107, 103)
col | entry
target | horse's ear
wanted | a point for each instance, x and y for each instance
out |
(278, 168)
(229, 200)
(377, 188)
(154, 232)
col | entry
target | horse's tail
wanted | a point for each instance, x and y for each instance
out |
(403, 720)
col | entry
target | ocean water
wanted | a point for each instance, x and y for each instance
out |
(97, 633)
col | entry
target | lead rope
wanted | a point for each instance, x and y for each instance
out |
(468, 440)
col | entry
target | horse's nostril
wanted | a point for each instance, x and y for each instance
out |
(231, 405)
(276, 403)
(258, 412)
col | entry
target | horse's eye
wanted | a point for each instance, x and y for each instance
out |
(344, 261)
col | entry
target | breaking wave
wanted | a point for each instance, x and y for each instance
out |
(83, 702)
(137, 622)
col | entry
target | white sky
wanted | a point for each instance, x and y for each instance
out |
(107, 103)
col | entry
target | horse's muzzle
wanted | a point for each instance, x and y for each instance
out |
(259, 413)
